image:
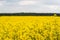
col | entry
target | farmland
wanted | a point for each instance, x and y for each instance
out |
(29, 28)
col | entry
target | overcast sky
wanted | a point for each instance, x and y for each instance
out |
(42, 6)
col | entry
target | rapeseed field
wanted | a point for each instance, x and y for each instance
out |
(29, 28)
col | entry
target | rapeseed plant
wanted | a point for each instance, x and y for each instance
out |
(29, 28)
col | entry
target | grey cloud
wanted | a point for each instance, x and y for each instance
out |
(52, 2)
(41, 6)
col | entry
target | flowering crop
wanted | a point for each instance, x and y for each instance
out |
(29, 28)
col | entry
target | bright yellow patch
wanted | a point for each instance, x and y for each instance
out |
(29, 28)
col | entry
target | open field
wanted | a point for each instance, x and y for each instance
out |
(29, 28)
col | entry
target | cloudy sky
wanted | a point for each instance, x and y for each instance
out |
(42, 6)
